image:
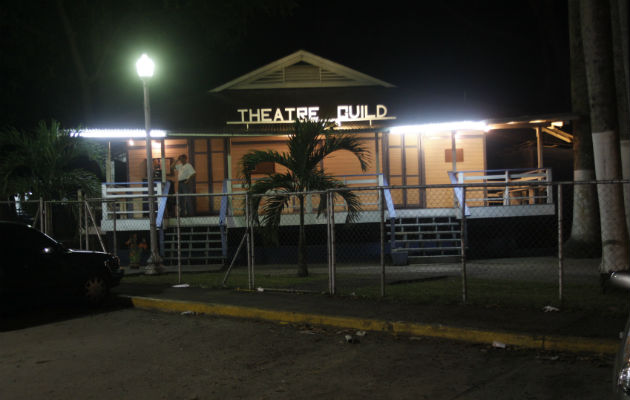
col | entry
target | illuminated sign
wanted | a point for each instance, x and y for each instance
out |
(287, 115)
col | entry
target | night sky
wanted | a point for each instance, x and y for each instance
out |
(503, 58)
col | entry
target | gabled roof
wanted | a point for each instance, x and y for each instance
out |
(301, 70)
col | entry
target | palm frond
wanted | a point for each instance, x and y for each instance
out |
(270, 185)
(45, 162)
(342, 141)
(324, 182)
(252, 158)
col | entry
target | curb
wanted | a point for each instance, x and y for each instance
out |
(572, 344)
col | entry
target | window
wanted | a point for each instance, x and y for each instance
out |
(448, 155)
(265, 168)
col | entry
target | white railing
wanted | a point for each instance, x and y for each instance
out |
(504, 187)
(130, 199)
(237, 186)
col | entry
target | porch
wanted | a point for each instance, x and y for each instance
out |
(433, 230)
(486, 194)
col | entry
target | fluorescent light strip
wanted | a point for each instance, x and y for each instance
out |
(441, 127)
(120, 133)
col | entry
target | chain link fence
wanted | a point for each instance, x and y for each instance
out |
(525, 244)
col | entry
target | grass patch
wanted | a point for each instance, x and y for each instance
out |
(237, 279)
(482, 292)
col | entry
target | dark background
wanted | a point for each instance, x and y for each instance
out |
(497, 58)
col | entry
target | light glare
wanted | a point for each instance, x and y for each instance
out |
(145, 67)
(441, 127)
(119, 133)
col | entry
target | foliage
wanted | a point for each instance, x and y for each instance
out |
(47, 162)
(308, 144)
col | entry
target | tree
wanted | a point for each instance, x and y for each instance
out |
(47, 162)
(598, 59)
(308, 144)
(619, 24)
(585, 233)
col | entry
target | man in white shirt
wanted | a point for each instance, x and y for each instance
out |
(185, 184)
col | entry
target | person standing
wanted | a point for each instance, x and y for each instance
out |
(185, 184)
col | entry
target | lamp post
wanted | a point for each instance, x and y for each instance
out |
(145, 68)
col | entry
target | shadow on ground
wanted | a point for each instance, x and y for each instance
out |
(17, 314)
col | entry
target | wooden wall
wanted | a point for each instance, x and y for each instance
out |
(436, 165)
(410, 160)
(339, 163)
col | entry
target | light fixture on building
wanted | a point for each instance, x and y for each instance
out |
(434, 128)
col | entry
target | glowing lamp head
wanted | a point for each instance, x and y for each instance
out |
(145, 67)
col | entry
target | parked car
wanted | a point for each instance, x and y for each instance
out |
(621, 373)
(34, 264)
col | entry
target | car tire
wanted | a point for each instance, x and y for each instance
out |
(95, 290)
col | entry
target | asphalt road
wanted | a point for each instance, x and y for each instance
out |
(53, 352)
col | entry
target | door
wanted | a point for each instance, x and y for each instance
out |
(403, 168)
(208, 158)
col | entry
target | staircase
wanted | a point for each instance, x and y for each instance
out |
(425, 239)
(200, 245)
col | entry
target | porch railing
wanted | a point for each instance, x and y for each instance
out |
(236, 186)
(509, 194)
(132, 200)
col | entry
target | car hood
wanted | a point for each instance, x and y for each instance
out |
(75, 251)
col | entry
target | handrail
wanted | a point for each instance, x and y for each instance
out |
(391, 211)
(459, 193)
(511, 178)
(162, 205)
(224, 203)
(388, 198)
(504, 169)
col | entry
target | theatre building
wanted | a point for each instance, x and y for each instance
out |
(407, 146)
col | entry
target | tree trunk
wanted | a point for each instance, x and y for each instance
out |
(619, 24)
(585, 232)
(597, 42)
(302, 267)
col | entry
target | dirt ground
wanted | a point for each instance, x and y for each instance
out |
(134, 354)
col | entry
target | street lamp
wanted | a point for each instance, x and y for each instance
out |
(145, 68)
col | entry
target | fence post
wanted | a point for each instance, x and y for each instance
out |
(41, 214)
(98, 235)
(382, 229)
(249, 244)
(333, 267)
(49, 216)
(329, 242)
(463, 245)
(251, 227)
(115, 247)
(80, 206)
(85, 221)
(560, 254)
(179, 239)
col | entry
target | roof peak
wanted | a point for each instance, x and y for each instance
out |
(301, 69)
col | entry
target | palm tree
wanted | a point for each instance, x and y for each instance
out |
(598, 59)
(47, 162)
(585, 231)
(309, 143)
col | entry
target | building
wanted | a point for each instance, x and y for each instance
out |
(408, 146)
